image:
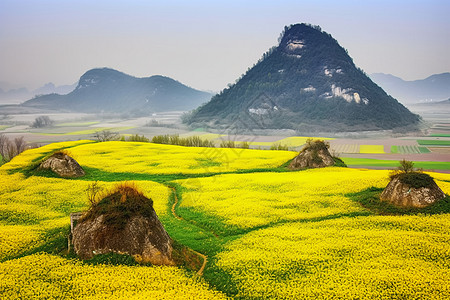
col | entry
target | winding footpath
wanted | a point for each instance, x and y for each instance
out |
(205, 258)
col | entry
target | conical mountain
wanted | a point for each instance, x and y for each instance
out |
(308, 82)
(109, 90)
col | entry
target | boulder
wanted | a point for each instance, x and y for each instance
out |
(116, 227)
(63, 165)
(314, 155)
(406, 195)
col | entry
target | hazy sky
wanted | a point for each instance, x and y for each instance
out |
(207, 44)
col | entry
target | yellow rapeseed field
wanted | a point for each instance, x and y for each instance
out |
(300, 235)
(371, 149)
(250, 200)
(148, 158)
(375, 257)
(44, 276)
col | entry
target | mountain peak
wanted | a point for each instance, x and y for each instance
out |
(100, 76)
(307, 82)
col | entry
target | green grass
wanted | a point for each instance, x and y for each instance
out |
(369, 162)
(433, 142)
(440, 135)
(3, 127)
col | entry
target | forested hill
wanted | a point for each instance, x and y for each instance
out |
(109, 90)
(307, 82)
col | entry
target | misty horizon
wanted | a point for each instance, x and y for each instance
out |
(208, 45)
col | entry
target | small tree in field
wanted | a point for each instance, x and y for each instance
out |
(9, 149)
(106, 135)
(42, 121)
(406, 166)
(92, 191)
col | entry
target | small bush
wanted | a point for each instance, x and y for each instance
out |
(118, 205)
(137, 138)
(244, 145)
(175, 139)
(315, 145)
(278, 146)
(92, 192)
(406, 166)
(407, 174)
(61, 153)
(228, 144)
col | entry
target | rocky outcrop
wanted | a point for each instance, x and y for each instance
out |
(143, 238)
(63, 165)
(125, 224)
(405, 195)
(314, 155)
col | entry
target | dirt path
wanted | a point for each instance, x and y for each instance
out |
(205, 258)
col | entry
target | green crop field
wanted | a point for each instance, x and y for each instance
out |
(440, 135)
(368, 162)
(411, 149)
(433, 142)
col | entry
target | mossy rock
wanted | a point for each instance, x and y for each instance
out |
(412, 189)
(123, 222)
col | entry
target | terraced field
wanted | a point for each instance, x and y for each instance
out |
(346, 148)
(409, 149)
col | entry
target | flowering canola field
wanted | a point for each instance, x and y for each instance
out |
(44, 276)
(252, 200)
(31, 207)
(304, 239)
(267, 235)
(148, 158)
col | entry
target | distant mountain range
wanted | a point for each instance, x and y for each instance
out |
(306, 83)
(11, 94)
(433, 88)
(108, 90)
